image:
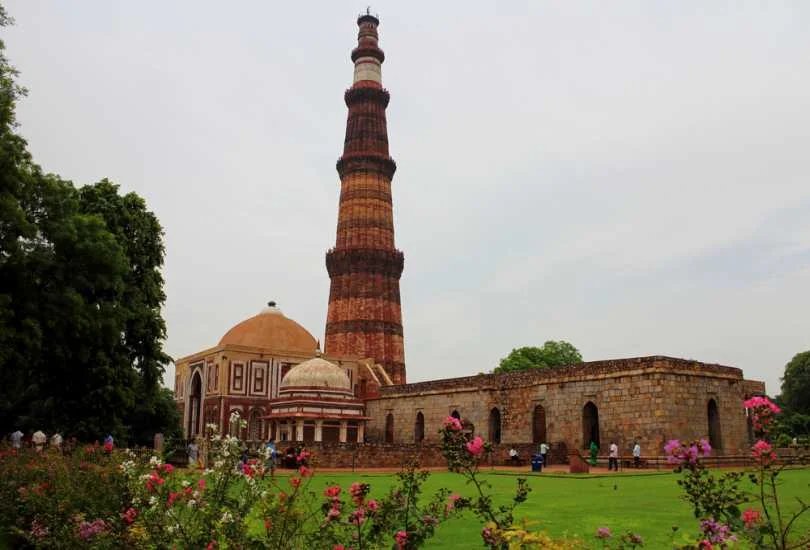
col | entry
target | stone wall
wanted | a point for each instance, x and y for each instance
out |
(649, 399)
(398, 455)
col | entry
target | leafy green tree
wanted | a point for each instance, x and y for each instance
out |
(796, 384)
(552, 354)
(80, 296)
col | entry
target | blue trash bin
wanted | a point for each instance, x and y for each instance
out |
(537, 463)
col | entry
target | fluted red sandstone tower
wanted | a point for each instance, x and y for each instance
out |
(365, 317)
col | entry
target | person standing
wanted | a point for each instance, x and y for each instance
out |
(16, 439)
(38, 439)
(193, 452)
(544, 453)
(56, 441)
(594, 452)
(637, 455)
(270, 456)
(613, 457)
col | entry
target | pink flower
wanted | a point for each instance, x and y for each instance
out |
(130, 515)
(303, 456)
(476, 446)
(332, 491)
(304, 471)
(763, 451)
(295, 482)
(168, 468)
(108, 446)
(372, 505)
(358, 516)
(453, 424)
(172, 497)
(38, 531)
(211, 545)
(338, 547)
(334, 513)
(705, 447)
(603, 533)
(201, 484)
(751, 517)
(401, 539)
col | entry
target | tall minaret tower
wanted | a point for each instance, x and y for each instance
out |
(365, 316)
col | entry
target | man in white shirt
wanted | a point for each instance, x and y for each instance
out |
(513, 456)
(56, 441)
(39, 439)
(16, 439)
(637, 455)
(613, 457)
(544, 453)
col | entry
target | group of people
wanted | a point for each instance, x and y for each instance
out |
(542, 454)
(613, 455)
(38, 440)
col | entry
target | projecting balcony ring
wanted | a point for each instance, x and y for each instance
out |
(368, 51)
(366, 163)
(352, 96)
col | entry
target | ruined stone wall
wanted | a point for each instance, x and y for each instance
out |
(652, 399)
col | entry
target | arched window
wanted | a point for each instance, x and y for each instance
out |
(539, 424)
(455, 415)
(419, 428)
(255, 425)
(195, 405)
(495, 425)
(590, 425)
(389, 428)
(715, 438)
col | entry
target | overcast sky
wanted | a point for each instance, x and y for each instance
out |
(629, 176)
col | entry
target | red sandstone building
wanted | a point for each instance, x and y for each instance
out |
(267, 370)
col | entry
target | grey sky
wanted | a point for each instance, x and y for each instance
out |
(628, 176)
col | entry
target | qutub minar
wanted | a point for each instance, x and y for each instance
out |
(352, 404)
(365, 316)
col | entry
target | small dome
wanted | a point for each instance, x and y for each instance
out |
(316, 373)
(270, 329)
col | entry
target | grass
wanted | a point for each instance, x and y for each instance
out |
(646, 503)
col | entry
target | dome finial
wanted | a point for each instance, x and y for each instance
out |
(271, 303)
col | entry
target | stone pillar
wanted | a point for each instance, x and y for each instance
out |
(343, 431)
(319, 430)
(299, 430)
(361, 431)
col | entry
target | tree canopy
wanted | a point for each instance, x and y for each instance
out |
(552, 354)
(796, 384)
(80, 295)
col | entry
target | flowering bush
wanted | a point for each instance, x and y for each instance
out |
(48, 500)
(716, 499)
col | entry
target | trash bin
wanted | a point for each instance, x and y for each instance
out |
(537, 463)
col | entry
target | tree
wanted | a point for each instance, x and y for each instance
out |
(552, 354)
(796, 384)
(80, 296)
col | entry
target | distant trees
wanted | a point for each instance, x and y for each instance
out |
(795, 399)
(552, 354)
(80, 296)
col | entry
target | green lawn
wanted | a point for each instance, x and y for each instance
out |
(647, 503)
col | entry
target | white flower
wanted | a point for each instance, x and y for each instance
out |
(154, 461)
(227, 517)
(152, 500)
(186, 483)
(136, 501)
(170, 528)
(192, 503)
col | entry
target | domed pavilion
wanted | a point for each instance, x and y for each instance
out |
(315, 403)
(238, 378)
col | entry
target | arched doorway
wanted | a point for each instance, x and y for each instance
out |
(254, 425)
(195, 405)
(419, 428)
(455, 415)
(590, 425)
(715, 438)
(495, 425)
(539, 424)
(389, 428)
